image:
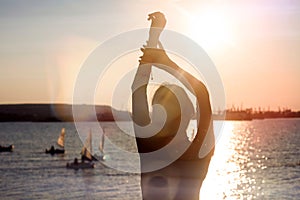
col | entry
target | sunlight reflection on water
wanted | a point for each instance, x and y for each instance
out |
(227, 177)
(255, 160)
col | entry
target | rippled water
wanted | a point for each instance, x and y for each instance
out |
(29, 173)
(254, 159)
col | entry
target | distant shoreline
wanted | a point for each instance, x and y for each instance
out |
(64, 113)
(58, 113)
(249, 114)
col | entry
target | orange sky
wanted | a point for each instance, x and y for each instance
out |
(254, 44)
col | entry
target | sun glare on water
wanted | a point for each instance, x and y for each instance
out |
(218, 179)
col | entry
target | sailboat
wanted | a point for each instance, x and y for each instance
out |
(101, 157)
(86, 155)
(86, 151)
(7, 148)
(60, 143)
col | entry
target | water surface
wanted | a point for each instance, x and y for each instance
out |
(253, 160)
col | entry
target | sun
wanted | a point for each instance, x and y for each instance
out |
(212, 29)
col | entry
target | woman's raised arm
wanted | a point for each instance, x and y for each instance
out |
(159, 58)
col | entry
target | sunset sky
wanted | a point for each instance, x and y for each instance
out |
(254, 44)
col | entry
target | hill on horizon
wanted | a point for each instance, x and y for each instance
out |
(59, 113)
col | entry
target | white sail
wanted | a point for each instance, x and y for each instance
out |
(61, 138)
(87, 148)
(85, 152)
(101, 145)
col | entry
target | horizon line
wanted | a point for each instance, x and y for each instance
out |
(281, 108)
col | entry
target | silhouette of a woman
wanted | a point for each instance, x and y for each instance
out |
(181, 179)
